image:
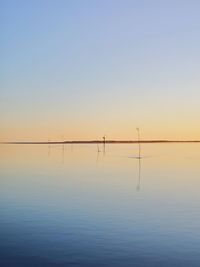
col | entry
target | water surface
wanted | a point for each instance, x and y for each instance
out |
(72, 206)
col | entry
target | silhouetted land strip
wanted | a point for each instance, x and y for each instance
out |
(99, 142)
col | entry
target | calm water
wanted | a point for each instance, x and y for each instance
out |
(72, 206)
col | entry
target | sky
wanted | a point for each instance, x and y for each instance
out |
(74, 69)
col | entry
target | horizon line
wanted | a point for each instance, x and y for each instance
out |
(97, 142)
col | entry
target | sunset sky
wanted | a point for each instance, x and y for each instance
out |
(80, 69)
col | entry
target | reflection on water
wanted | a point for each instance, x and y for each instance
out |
(84, 205)
(139, 174)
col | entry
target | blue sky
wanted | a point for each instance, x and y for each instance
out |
(80, 69)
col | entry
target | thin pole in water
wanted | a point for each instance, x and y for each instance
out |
(139, 147)
(104, 144)
(98, 150)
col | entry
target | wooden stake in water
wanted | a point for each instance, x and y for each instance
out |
(139, 147)
(98, 150)
(104, 144)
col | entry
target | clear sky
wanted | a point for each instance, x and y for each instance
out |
(79, 69)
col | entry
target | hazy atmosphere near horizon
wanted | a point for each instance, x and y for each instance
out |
(82, 69)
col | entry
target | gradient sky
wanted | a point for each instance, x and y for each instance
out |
(80, 69)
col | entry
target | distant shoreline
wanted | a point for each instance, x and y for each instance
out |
(97, 142)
